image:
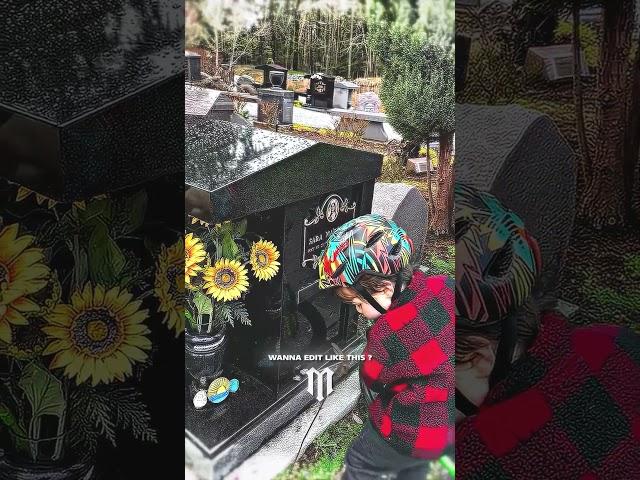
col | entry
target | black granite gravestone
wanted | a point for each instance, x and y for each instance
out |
(320, 92)
(293, 192)
(193, 65)
(267, 68)
(89, 112)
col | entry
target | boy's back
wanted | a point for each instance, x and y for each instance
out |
(409, 363)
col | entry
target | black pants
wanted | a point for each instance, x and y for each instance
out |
(372, 458)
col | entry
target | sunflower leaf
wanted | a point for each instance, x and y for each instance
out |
(240, 228)
(130, 215)
(96, 211)
(43, 391)
(106, 260)
(8, 418)
(230, 249)
(203, 303)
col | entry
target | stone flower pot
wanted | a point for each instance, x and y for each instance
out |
(204, 354)
(276, 79)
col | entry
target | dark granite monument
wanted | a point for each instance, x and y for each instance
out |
(320, 92)
(284, 100)
(193, 66)
(81, 115)
(281, 73)
(294, 192)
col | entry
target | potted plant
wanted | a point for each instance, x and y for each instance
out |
(218, 260)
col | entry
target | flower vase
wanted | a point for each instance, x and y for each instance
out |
(204, 355)
(276, 79)
(43, 459)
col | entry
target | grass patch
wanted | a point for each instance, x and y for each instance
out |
(392, 170)
(325, 456)
(612, 299)
(440, 264)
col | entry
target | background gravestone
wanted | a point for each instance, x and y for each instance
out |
(497, 144)
(406, 206)
(193, 65)
(368, 102)
(208, 104)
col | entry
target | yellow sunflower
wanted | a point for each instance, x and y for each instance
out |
(98, 336)
(263, 260)
(194, 253)
(226, 280)
(169, 286)
(21, 273)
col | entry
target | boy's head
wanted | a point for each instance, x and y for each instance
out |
(366, 261)
(497, 265)
(382, 289)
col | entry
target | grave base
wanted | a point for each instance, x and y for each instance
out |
(214, 447)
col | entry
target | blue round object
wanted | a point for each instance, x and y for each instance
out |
(234, 385)
(219, 397)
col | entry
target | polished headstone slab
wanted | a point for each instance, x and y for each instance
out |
(233, 171)
(88, 94)
(199, 101)
(109, 49)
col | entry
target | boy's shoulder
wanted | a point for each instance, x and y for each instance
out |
(425, 285)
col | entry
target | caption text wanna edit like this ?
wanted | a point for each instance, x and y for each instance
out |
(318, 357)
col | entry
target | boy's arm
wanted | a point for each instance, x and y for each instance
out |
(389, 356)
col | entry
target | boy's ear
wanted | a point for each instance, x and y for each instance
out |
(484, 357)
(389, 288)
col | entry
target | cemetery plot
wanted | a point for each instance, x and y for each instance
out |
(236, 174)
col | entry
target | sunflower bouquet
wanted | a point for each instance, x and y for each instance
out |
(217, 262)
(76, 294)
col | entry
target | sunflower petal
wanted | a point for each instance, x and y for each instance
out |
(15, 318)
(62, 359)
(55, 346)
(23, 304)
(5, 331)
(87, 368)
(98, 295)
(61, 315)
(74, 367)
(133, 352)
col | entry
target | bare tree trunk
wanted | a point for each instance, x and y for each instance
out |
(603, 202)
(217, 42)
(585, 161)
(632, 154)
(350, 44)
(440, 222)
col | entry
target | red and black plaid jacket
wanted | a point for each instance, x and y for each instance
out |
(569, 409)
(409, 361)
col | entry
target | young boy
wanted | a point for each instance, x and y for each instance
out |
(536, 397)
(409, 351)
